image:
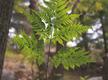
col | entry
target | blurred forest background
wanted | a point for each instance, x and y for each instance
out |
(19, 63)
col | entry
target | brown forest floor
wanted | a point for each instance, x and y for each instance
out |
(16, 69)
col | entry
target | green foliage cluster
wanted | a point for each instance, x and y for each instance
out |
(53, 23)
(32, 50)
(70, 58)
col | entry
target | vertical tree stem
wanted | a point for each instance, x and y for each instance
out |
(6, 7)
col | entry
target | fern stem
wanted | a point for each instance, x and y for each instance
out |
(48, 65)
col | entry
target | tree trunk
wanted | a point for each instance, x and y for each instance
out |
(5, 16)
(84, 35)
(105, 58)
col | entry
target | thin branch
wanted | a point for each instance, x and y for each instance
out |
(74, 6)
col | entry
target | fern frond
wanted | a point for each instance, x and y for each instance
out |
(70, 58)
(53, 23)
(55, 15)
(32, 50)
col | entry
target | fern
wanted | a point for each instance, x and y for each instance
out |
(32, 51)
(53, 23)
(70, 58)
